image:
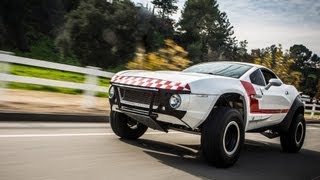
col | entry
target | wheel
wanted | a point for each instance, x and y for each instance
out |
(292, 140)
(222, 137)
(126, 127)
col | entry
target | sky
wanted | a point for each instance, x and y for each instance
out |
(266, 22)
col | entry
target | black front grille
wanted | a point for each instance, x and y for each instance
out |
(138, 96)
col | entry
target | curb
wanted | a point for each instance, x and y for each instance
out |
(48, 117)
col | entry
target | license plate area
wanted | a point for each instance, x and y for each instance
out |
(139, 98)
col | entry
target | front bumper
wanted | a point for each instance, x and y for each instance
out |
(148, 114)
(192, 112)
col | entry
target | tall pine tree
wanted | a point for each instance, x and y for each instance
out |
(206, 31)
(166, 7)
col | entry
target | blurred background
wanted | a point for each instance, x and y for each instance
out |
(57, 58)
(115, 35)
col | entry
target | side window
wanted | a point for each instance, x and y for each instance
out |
(268, 75)
(257, 78)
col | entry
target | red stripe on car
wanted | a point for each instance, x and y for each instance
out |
(254, 103)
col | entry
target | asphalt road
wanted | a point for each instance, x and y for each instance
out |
(90, 151)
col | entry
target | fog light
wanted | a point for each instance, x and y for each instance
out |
(175, 101)
(111, 92)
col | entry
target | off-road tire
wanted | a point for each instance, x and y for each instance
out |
(120, 125)
(292, 140)
(223, 123)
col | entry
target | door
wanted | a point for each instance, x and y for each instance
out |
(267, 107)
(274, 103)
(255, 95)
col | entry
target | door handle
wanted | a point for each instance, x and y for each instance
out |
(256, 96)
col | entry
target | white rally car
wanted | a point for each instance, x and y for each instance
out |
(218, 100)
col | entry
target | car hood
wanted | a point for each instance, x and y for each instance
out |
(174, 80)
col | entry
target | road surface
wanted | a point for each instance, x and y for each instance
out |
(90, 151)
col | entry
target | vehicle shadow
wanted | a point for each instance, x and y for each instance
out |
(258, 160)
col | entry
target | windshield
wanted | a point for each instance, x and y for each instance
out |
(233, 70)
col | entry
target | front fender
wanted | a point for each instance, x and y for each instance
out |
(198, 109)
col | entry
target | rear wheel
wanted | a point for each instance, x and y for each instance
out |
(222, 137)
(292, 140)
(126, 127)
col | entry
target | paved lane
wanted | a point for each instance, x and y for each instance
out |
(91, 151)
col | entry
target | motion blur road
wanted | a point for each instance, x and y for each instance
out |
(91, 151)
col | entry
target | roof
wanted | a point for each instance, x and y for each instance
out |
(235, 62)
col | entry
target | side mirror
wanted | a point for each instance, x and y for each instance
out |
(273, 82)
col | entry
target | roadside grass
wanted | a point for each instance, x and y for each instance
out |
(23, 70)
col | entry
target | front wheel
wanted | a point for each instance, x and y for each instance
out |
(292, 140)
(222, 137)
(126, 127)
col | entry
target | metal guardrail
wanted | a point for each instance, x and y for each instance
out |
(313, 109)
(89, 86)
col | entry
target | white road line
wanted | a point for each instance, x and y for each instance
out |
(75, 134)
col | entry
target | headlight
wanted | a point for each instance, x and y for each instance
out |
(175, 101)
(111, 92)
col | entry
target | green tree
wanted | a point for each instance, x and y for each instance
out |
(23, 22)
(100, 33)
(307, 64)
(204, 28)
(301, 55)
(239, 52)
(152, 30)
(280, 62)
(166, 7)
(317, 95)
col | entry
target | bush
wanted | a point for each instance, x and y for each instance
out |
(171, 57)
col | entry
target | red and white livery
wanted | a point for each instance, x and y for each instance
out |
(218, 100)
